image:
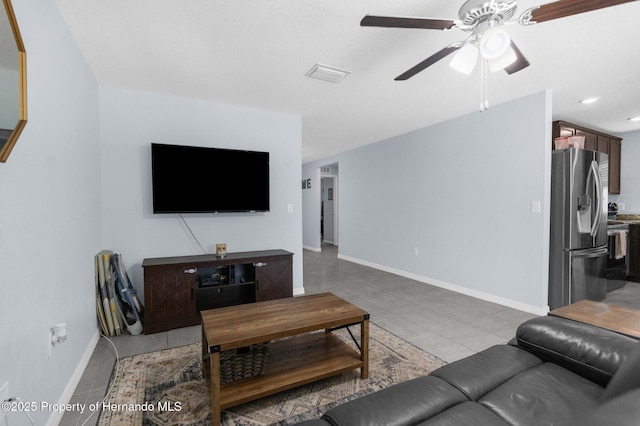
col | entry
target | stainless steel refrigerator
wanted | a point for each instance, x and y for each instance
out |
(578, 244)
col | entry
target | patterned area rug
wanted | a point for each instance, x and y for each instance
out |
(167, 387)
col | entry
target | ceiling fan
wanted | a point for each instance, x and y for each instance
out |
(484, 20)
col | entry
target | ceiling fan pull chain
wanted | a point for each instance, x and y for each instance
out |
(484, 102)
(486, 84)
(481, 83)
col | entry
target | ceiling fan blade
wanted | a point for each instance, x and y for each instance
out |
(428, 62)
(562, 8)
(520, 63)
(399, 22)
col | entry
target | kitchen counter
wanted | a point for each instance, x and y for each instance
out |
(617, 225)
(628, 217)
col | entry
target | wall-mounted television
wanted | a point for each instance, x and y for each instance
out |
(190, 179)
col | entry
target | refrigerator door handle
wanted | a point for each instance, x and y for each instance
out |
(600, 251)
(598, 181)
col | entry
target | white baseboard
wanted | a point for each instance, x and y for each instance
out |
(298, 291)
(316, 249)
(67, 394)
(536, 310)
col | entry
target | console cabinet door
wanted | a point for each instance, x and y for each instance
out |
(274, 280)
(169, 299)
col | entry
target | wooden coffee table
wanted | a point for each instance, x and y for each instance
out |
(621, 320)
(303, 357)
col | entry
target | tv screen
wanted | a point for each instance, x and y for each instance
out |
(189, 179)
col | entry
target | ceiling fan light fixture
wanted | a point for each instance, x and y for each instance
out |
(465, 59)
(501, 62)
(494, 42)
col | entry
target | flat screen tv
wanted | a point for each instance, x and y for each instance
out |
(190, 179)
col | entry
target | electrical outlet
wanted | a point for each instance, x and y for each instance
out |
(4, 395)
(50, 342)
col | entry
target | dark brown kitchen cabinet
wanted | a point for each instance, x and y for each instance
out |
(596, 141)
(590, 139)
(634, 252)
(615, 157)
(177, 288)
(603, 144)
(562, 131)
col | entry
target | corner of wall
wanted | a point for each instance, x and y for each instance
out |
(56, 416)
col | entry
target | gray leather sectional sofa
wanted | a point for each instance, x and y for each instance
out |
(554, 372)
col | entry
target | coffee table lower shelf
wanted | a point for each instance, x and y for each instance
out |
(293, 362)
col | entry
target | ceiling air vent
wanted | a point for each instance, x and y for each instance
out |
(327, 73)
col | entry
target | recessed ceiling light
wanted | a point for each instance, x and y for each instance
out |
(634, 118)
(590, 100)
(327, 73)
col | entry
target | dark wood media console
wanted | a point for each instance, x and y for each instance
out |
(177, 288)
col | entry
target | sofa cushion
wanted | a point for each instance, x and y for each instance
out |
(590, 351)
(465, 414)
(481, 372)
(544, 395)
(406, 403)
(626, 378)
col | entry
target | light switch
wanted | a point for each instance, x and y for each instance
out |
(535, 207)
(289, 208)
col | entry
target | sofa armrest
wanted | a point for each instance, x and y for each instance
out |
(314, 422)
(592, 352)
(620, 411)
(403, 404)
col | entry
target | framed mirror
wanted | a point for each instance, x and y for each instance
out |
(13, 81)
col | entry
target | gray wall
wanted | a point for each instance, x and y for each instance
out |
(461, 193)
(630, 173)
(311, 192)
(329, 204)
(78, 181)
(49, 217)
(131, 120)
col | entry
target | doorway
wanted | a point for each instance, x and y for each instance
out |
(329, 205)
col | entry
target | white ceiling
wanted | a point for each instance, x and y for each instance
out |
(255, 53)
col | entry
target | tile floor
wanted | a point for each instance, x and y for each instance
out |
(626, 297)
(444, 323)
